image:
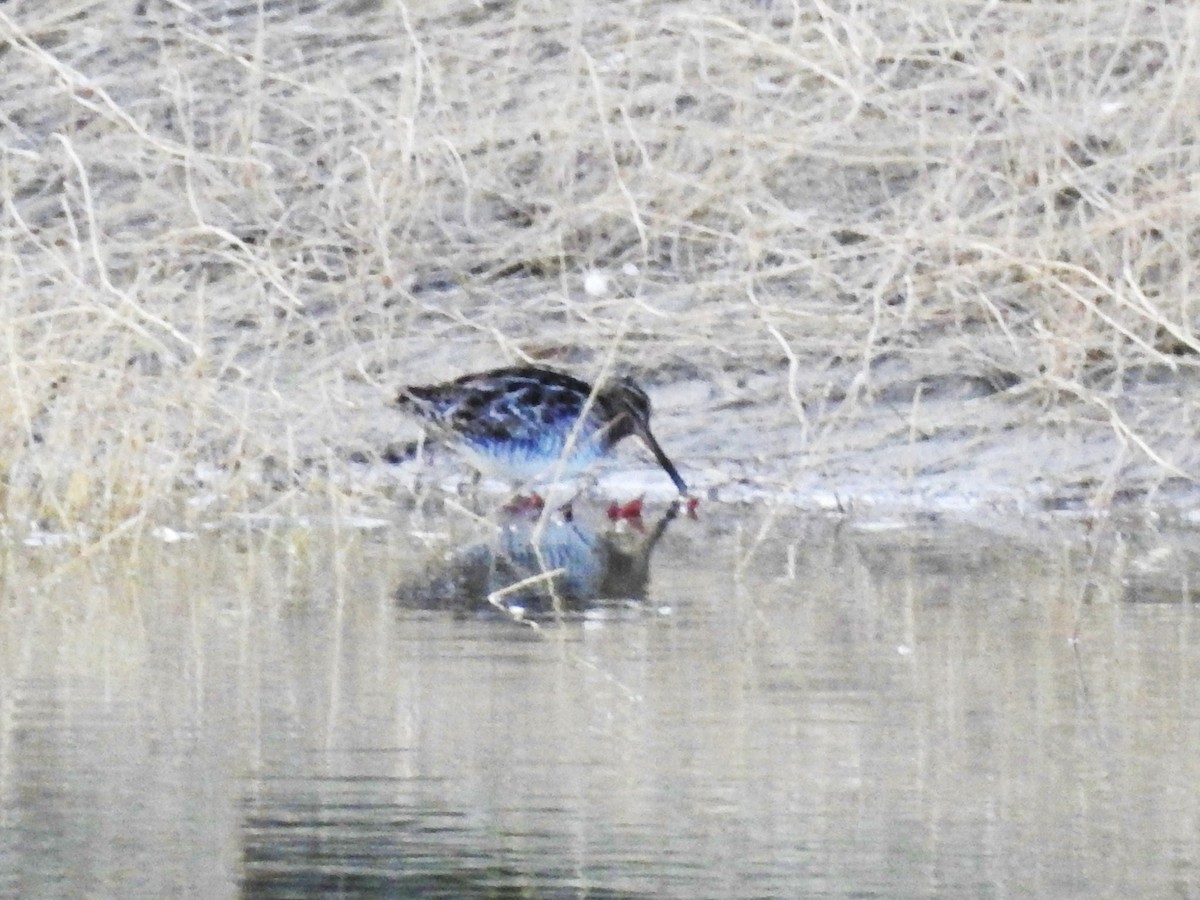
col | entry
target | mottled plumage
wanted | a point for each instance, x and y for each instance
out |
(516, 421)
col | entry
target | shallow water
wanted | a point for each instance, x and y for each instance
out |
(758, 708)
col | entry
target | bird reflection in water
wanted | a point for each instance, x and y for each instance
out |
(535, 569)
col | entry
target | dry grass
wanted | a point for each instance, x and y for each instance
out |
(228, 231)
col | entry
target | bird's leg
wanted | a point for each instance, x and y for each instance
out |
(522, 504)
(567, 510)
(469, 489)
(629, 512)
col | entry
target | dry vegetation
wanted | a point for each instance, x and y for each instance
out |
(894, 241)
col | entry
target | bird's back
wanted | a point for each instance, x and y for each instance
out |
(516, 419)
(502, 403)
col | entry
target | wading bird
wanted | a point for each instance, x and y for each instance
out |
(526, 423)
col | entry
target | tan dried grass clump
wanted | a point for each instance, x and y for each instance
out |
(228, 230)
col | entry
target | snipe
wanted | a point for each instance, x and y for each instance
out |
(516, 422)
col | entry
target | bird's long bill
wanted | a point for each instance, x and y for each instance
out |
(644, 433)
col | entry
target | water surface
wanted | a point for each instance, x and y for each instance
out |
(744, 706)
